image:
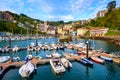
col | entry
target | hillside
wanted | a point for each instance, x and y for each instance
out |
(111, 20)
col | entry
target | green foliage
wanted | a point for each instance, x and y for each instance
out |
(112, 33)
(111, 6)
(55, 23)
(111, 20)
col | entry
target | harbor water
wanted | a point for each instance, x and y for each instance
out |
(108, 71)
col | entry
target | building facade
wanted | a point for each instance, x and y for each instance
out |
(6, 16)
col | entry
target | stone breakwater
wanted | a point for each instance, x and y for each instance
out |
(113, 39)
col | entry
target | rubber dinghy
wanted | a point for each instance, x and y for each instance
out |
(57, 66)
(26, 69)
(66, 62)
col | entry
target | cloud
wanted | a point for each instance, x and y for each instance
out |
(79, 6)
(65, 17)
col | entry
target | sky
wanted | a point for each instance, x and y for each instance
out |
(55, 10)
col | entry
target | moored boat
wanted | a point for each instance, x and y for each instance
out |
(106, 58)
(15, 49)
(97, 60)
(56, 55)
(88, 61)
(4, 59)
(48, 56)
(57, 66)
(16, 59)
(26, 69)
(66, 63)
(29, 56)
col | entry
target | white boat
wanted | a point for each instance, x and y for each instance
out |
(57, 66)
(66, 63)
(56, 55)
(26, 69)
(4, 59)
(48, 56)
(16, 59)
(106, 58)
(30, 48)
(39, 44)
(15, 49)
(37, 48)
(5, 50)
(32, 44)
(29, 56)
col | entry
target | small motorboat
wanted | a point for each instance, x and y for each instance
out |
(5, 50)
(16, 59)
(86, 60)
(37, 48)
(4, 59)
(66, 63)
(30, 48)
(48, 56)
(26, 69)
(29, 56)
(57, 66)
(97, 60)
(15, 49)
(56, 55)
(106, 58)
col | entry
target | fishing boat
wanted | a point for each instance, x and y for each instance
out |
(86, 61)
(57, 66)
(97, 60)
(106, 58)
(66, 63)
(4, 59)
(26, 69)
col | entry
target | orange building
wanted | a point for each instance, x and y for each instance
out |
(5, 15)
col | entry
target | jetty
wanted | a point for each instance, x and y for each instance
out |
(71, 57)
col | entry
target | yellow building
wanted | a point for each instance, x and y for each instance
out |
(59, 30)
(81, 31)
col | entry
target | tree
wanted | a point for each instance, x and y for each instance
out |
(111, 5)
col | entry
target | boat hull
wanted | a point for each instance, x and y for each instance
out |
(26, 69)
(97, 60)
(57, 68)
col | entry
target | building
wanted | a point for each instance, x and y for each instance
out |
(98, 32)
(42, 27)
(45, 26)
(83, 22)
(101, 13)
(81, 31)
(6, 16)
(59, 30)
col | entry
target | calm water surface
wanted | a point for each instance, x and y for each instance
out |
(108, 71)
